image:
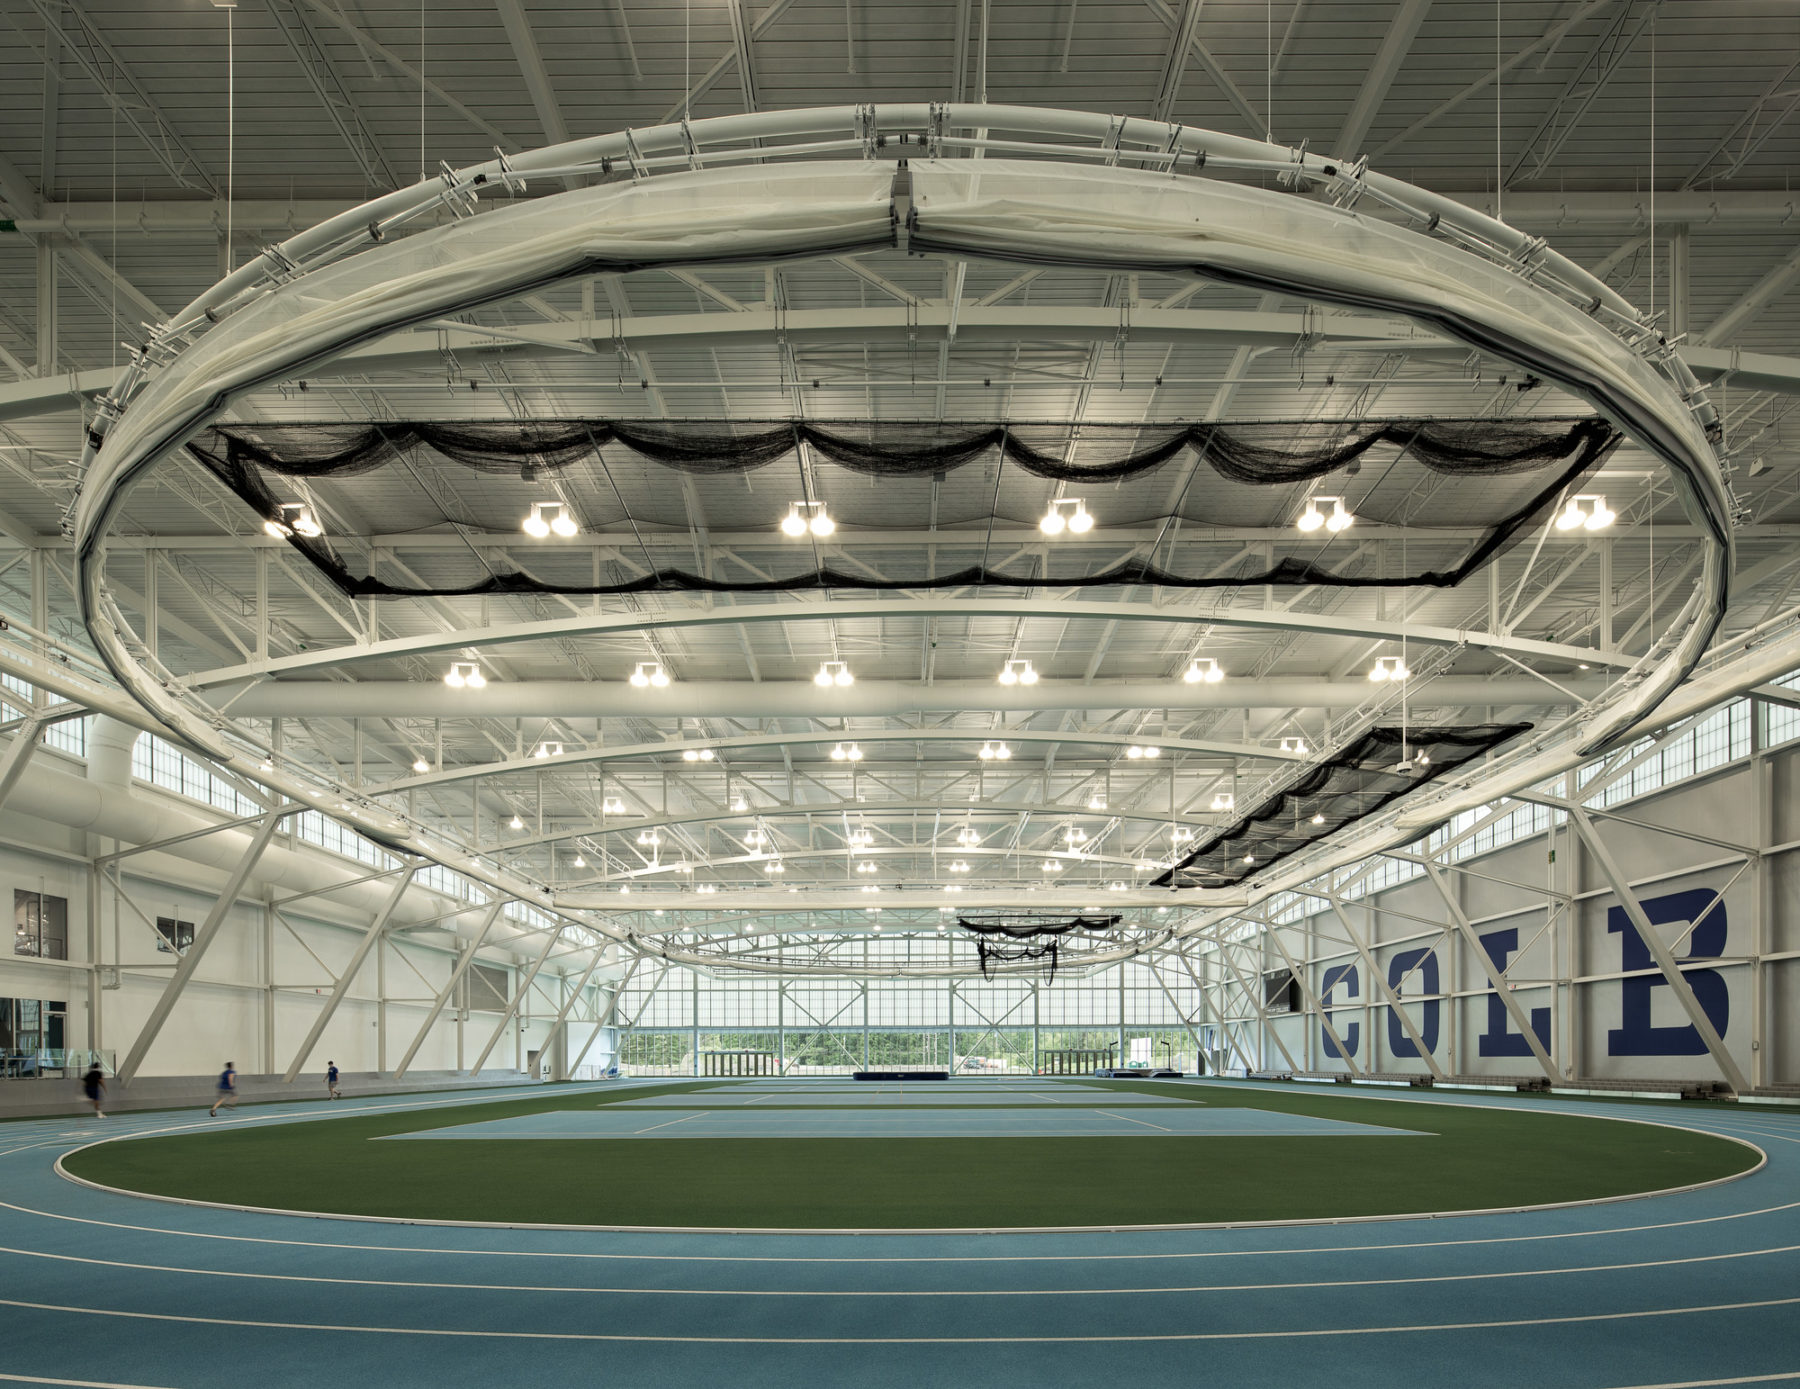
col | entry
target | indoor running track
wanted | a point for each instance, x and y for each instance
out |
(1697, 1288)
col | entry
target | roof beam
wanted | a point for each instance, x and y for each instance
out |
(1221, 79)
(802, 699)
(1395, 45)
(127, 97)
(1753, 302)
(1176, 61)
(316, 66)
(1604, 57)
(746, 59)
(1010, 606)
(531, 64)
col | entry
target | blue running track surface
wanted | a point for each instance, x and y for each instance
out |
(1693, 1288)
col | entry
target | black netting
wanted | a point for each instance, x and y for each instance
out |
(1381, 765)
(1045, 955)
(1540, 458)
(1028, 925)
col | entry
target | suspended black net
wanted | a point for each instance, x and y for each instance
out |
(1036, 936)
(1045, 955)
(1383, 764)
(1182, 482)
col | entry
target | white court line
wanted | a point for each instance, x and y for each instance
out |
(654, 1127)
(1187, 1290)
(464, 1333)
(1146, 1123)
(1705, 1383)
(79, 1383)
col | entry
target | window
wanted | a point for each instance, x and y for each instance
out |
(40, 925)
(177, 936)
(29, 1027)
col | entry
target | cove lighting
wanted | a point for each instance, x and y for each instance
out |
(465, 675)
(833, 673)
(1203, 670)
(649, 673)
(1019, 673)
(1078, 521)
(1312, 518)
(1388, 668)
(561, 523)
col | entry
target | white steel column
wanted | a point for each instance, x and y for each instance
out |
(203, 939)
(1665, 961)
(512, 1006)
(456, 976)
(342, 987)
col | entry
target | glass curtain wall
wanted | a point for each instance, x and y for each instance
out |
(686, 1023)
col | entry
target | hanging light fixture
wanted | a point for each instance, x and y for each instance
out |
(775, 867)
(866, 866)
(697, 754)
(1318, 819)
(994, 752)
(796, 523)
(1180, 834)
(1096, 801)
(1294, 745)
(706, 889)
(833, 673)
(1018, 672)
(291, 519)
(650, 839)
(1138, 751)
(612, 805)
(959, 866)
(561, 523)
(1312, 518)
(1388, 668)
(547, 750)
(515, 823)
(1598, 515)
(1223, 801)
(580, 862)
(967, 837)
(420, 766)
(1202, 670)
(465, 674)
(1078, 521)
(649, 673)
(1075, 835)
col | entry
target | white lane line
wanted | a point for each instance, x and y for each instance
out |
(79, 1383)
(1266, 1252)
(1706, 1383)
(1311, 1333)
(1188, 1290)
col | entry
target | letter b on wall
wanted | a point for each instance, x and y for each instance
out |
(1635, 1036)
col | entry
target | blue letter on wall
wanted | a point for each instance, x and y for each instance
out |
(1403, 964)
(1635, 1036)
(1350, 1032)
(1499, 1040)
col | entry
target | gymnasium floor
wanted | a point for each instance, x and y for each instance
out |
(1695, 1288)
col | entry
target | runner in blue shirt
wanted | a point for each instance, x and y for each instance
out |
(227, 1089)
(331, 1080)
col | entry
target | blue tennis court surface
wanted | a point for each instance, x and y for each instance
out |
(920, 1096)
(1102, 1120)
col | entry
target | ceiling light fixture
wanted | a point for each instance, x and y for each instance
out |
(775, 866)
(545, 750)
(649, 673)
(1202, 670)
(291, 519)
(706, 889)
(650, 839)
(1075, 834)
(1223, 801)
(420, 766)
(833, 673)
(465, 674)
(515, 823)
(1597, 517)
(1295, 745)
(1389, 668)
(967, 837)
(994, 752)
(1096, 801)
(796, 524)
(866, 866)
(959, 867)
(580, 862)
(1140, 750)
(846, 752)
(1180, 834)
(1050, 865)
(1312, 518)
(612, 805)
(561, 523)
(1019, 673)
(1079, 521)
(697, 754)
(1318, 819)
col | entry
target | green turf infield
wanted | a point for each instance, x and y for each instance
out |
(1466, 1158)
